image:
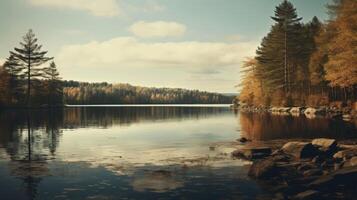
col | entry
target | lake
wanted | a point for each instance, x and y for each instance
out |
(140, 152)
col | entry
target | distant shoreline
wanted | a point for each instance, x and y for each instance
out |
(152, 105)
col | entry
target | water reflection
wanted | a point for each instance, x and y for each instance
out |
(263, 126)
(80, 152)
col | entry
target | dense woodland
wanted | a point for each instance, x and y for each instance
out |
(105, 93)
(305, 64)
(30, 79)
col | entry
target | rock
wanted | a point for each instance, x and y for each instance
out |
(263, 169)
(310, 111)
(314, 111)
(353, 161)
(295, 110)
(338, 166)
(307, 195)
(345, 176)
(346, 154)
(306, 166)
(252, 152)
(243, 140)
(284, 109)
(313, 172)
(347, 117)
(325, 143)
(300, 149)
(212, 148)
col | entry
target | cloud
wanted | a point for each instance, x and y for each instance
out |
(233, 38)
(149, 6)
(105, 8)
(2, 61)
(157, 29)
(128, 52)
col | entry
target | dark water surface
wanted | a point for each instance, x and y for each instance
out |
(139, 152)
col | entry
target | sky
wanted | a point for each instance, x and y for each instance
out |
(194, 44)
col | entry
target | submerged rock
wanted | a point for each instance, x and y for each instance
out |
(252, 153)
(300, 149)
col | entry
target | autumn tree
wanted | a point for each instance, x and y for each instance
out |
(251, 88)
(341, 70)
(31, 57)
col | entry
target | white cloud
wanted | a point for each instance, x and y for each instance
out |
(106, 8)
(127, 52)
(233, 38)
(157, 29)
(148, 6)
(2, 61)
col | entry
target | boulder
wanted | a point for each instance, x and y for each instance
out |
(310, 111)
(353, 161)
(252, 153)
(300, 149)
(262, 169)
(307, 195)
(325, 143)
(314, 111)
(327, 147)
(284, 109)
(346, 154)
(295, 110)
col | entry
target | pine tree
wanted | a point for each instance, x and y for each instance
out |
(15, 72)
(54, 87)
(288, 25)
(31, 57)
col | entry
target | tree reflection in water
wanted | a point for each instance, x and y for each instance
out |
(264, 126)
(30, 138)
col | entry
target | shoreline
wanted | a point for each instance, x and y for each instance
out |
(320, 168)
(345, 113)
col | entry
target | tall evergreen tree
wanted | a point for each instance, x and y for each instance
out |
(31, 57)
(280, 49)
(54, 87)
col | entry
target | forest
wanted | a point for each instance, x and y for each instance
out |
(29, 78)
(304, 64)
(105, 93)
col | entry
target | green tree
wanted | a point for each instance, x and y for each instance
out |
(15, 71)
(31, 57)
(279, 52)
(54, 85)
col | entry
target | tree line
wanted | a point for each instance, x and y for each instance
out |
(26, 78)
(106, 93)
(29, 78)
(304, 64)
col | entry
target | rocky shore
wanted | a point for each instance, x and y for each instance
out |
(317, 169)
(346, 113)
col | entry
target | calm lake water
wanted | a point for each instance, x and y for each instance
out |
(139, 152)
